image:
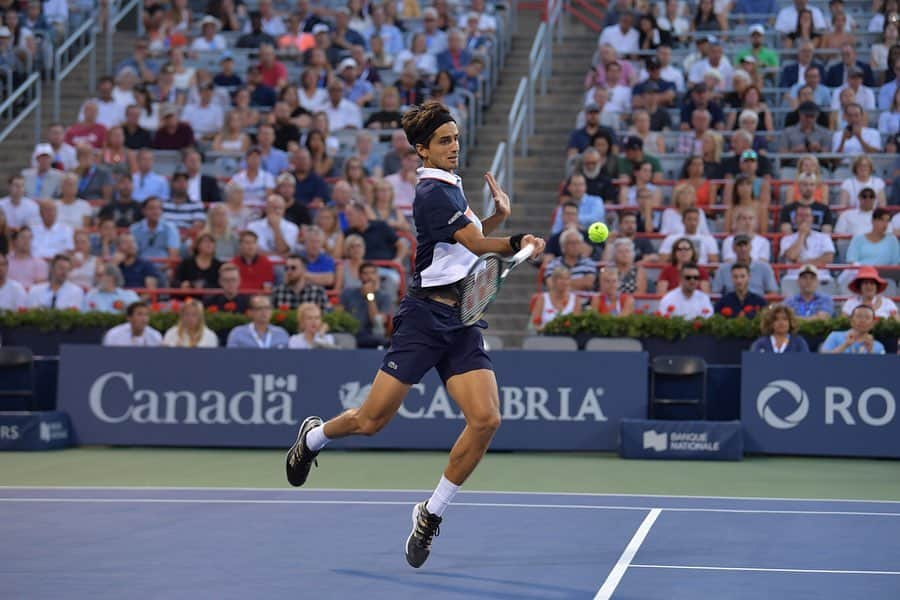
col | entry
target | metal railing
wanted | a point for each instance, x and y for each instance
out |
(71, 52)
(117, 11)
(518, 130)
(12, 112)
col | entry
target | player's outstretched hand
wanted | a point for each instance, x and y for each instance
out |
(501, 199)
(539, 244)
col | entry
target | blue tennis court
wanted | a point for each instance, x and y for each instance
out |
(265, 543)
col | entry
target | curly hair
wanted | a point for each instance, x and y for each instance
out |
(770, 314)
(421, 121)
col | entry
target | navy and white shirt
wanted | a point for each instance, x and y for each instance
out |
(440, 210)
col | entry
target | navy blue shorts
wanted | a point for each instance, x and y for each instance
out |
(429, 334)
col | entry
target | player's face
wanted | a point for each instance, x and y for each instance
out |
(443, 150)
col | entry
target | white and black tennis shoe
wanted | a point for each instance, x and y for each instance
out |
(300, 458)
(426, 527)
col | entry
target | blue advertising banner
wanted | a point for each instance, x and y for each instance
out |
(836, 405)
(34, 430)
(682, 440)
(257, 398)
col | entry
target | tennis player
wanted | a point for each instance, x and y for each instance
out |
(427, 329)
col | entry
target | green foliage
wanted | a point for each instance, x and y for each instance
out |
(65, 320)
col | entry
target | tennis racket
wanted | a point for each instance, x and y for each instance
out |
(482, 284)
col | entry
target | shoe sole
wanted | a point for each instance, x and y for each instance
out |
(287, 457)
(409, 539)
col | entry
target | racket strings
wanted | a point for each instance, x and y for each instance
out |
(479, 289)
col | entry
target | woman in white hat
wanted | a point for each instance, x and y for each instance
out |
(209, 40)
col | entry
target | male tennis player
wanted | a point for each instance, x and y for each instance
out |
(427, 328)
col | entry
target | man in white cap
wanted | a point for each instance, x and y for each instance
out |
(765, 57)
(210, 40)
(63, 154)
(356, 90)
(42, 181)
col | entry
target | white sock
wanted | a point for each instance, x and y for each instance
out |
(442, 497)
(316, 438)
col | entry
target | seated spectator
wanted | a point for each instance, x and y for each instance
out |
(201, 270)
(275, 234)
(259, 332)
(141, 120)
(87, 130)
(683, 252)
(342, 113)
(155, 237)
(369, 305)
(632, 276)
(273, 160)
(136, 331)
(224, 237)
(683, 197)
(876, 247)
(138, 272)
(205, 118)
(761, 277)
(103, 243)
(855, 221)
(806, 245)
(568, 212)
(209, 39)
(686, 301)
(201, 188)
(254, 33)
(863, 177)
(295, 40)
(63, 154)
(856, 340)
(146, 182)
(319, 153)
(645, 195)
(806, 135)
(311, 331)
(180, 211)
(58, 292)
(320, 267)
(745, 224)
(706, 243)
(123, 209)
(85, 266)
(50, 236)
(746, 161)
(382, 242)
(869, 289)
(590, 208)
(740, 301)
(808, 164)
(256, 182)
(691, 139)
(19, 210)
(172, 134)
(383, 207)
(581, 139)
(779, 332)
(559, 299)
(404, 183)
(12, 293)
(862, 95)
(24, 267)
(609, 300)
(230, 300)
(256, 271)
(809, 304)
(295, 212)
(115, 155)
(811, 90)
(42, 181)
(190, 331)
(456, 56)
(627, 228)
(368, 154)
(286, 131)
(109, 295)
(94, 182)
(311, 190)
(823, 218)
(856, 138)
(297, 287)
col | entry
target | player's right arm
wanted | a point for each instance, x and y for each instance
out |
(475, 242)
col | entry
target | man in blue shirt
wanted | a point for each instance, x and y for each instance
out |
(155, 237)
(741, 301)
(311, 190)
(259, 332)
(320, 267)
(856, 340)
(809, 304)
(146, 182)
(590, 208)
(271, 159)
(886, 94)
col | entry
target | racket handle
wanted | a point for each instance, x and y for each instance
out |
(523, 254)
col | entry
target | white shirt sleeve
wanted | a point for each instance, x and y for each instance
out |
(710, 246)
(666, 246)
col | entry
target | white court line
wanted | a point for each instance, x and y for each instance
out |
(52, 500)
(419, 491)
(763, 570)
(618, 571)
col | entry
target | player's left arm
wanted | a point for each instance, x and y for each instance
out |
(501, 205)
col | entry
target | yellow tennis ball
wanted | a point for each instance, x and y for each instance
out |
(598, 232)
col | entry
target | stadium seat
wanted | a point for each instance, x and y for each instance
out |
(599, 344)
(16, 378)
(541, 342)
(675, 369)
(344, 341)
(493, 342)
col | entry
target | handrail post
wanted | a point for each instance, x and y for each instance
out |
(110, 27)
(57, 80)
(37, 113)
(92, 64)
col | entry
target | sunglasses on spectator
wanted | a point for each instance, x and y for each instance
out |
(292, 268)
(867, 196)
(680, 248)
(690, 277)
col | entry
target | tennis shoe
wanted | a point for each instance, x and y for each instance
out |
(426, 527)
(300, 458)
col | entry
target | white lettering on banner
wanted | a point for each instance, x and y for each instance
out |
(516, 403)
(691, 441)
(268, 403)
(840, 400)
(9, 432)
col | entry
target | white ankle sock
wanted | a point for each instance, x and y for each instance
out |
(442, 497)
(316, 438)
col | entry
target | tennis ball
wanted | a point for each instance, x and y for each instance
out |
(598, 232)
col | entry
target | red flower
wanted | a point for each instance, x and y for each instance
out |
(671, 308)
(154, 307)
(567, 323)
(73, 309)
(698, 324)
(280, 317)
(118, 305)
(640, 311)
(212, 309)
(727, 312)
(705, 311)
(284, 307)
(749, 309)
(656, 313)
(22, 309)
(230, 306)
(174, 305)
